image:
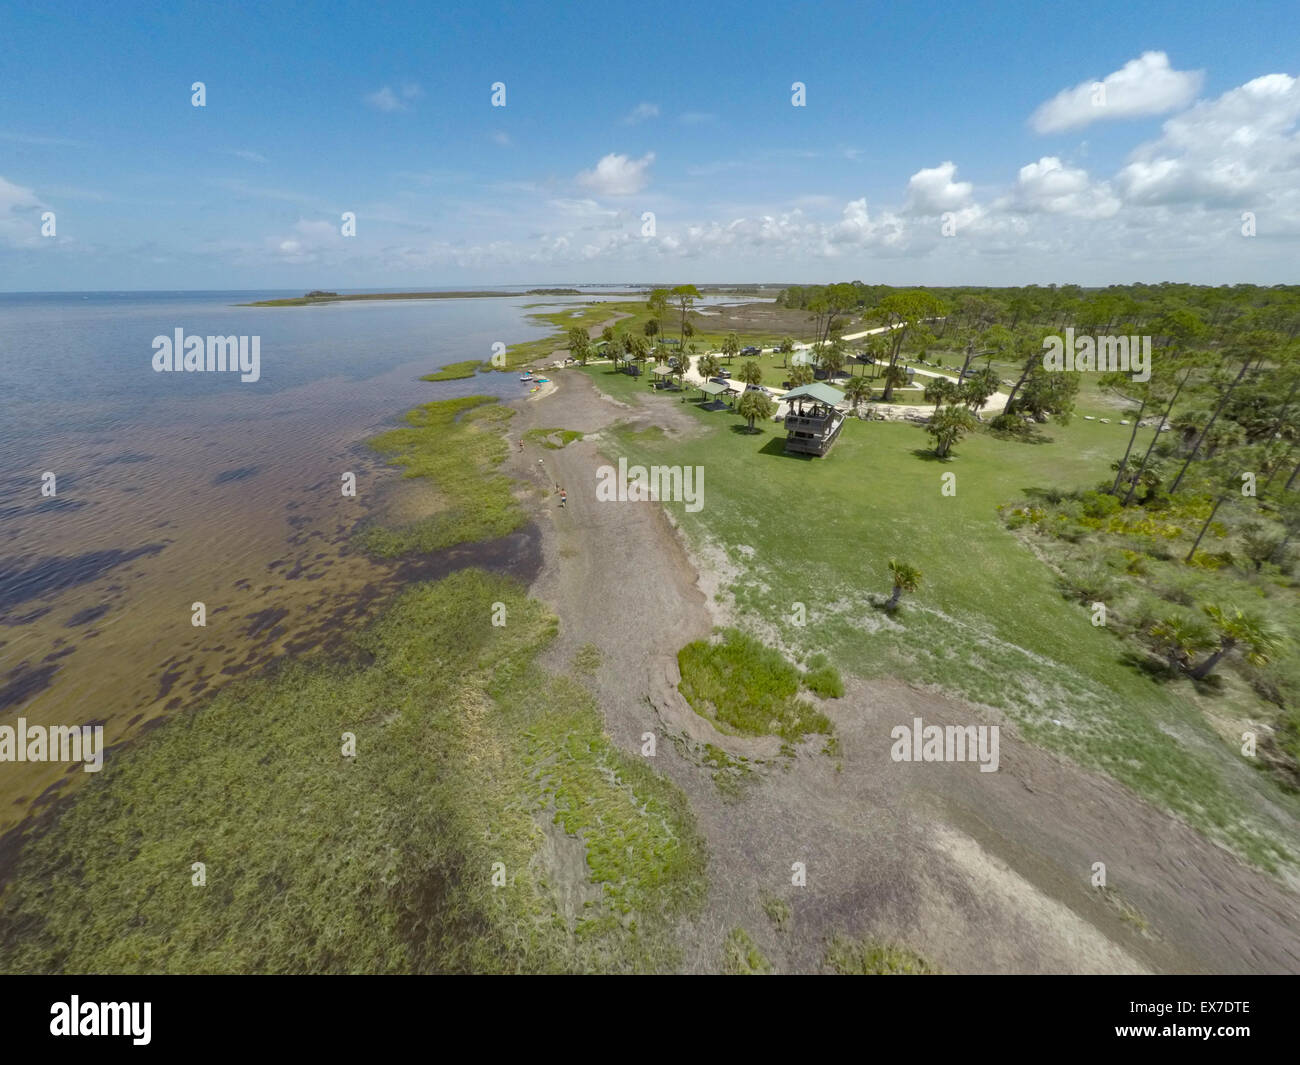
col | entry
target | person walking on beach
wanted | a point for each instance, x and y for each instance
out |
(564, 497)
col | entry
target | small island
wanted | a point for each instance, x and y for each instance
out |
(320, 296)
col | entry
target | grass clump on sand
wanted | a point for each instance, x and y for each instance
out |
(454, 371)
(866, 957)
(741, 956)
(587, 659)
(458, 445)
(777, 910)
(552, 439)
(467, 754)
(822, 678)
(746, 688)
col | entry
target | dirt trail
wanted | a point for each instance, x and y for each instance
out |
(978, 872)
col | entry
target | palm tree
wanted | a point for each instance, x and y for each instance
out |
(638, 348)
(730, 346)
(651, 328)
(751, 373)
(801, 374)
(684, 364)
(947, 427)
(894, 376)
(832, 358)
(1178, 638)
(939, 390)
(980, 387)
(708, 366)
(857, 391)
(906, 579)
(1252, 633)
(754, 405)
(785, 347)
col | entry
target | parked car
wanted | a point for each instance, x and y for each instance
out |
(750, 352)
(758, 388)
(724, 373)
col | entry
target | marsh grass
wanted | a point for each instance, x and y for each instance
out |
(378, 863)
(741, 956)
(458, 445)
(454, 371)
(552, 439)
(866, 957)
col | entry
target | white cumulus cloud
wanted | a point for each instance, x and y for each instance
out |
(1144, 86)
(618, 175)
(934, 191)
(1243, 146)
(1050, 187)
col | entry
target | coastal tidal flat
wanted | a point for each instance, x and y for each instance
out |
(171, 490)
(457, 444)
(482, 821)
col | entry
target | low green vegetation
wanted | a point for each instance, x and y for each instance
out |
(823, 679)
(483, 824)
(777, 910)
(1129, 913)
(866, 957)
(746, 688)
(587, 659)
(457, 444)
(731, 773)
(988, 623)
(453, 371)
(1213, 629)
(552, 439)
(565, 318)
(741, 956)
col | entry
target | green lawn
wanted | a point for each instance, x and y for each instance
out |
(989, 622)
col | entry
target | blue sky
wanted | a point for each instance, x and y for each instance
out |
(917, 158)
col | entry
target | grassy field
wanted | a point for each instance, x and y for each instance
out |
(989, 622)
(466, 755)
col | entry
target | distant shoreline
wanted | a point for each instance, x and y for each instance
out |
(333, 297)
